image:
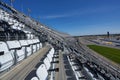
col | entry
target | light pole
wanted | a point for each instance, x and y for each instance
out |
(22, 7)
(29, 11)
(11, 1)
(39, 18)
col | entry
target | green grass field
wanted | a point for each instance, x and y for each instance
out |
(110, 53)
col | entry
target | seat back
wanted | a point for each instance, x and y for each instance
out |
(20, 54)
(49, 57)
(47, 63)
(34, 48)
(35, 41)
(6, 58)
(13, 44)
(42, 73)
(38, 43)
(31, 76)
(34, 78)
(29, 48)
(23, 43)
(3, 47)
(30, 42)
(51, 52)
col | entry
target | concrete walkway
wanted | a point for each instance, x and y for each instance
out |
(20, 71)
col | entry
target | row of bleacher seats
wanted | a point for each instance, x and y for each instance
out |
(12, 52)
(86, 71)
(91, 70)
(76, 67)
(9, 33)
(12, 28)
(45, 69)
(7, 17)
(12, 34)
(17, 43)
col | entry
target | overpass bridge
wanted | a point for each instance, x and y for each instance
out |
(29, 50)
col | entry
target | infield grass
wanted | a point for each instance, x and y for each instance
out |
(110, 53)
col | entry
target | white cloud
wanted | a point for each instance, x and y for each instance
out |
(54, 16)
(81, 12)
(59, 15)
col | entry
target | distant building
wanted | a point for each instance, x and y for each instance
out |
(108, 34)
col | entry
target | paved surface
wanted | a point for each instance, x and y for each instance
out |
(61, 74)
(20, 71)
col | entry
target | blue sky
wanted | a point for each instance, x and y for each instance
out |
(76, 17)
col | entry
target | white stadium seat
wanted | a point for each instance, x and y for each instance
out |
(10, 21)
(29, 48)
(40, 45)
(6, 59)
(49, 57)
(51, 52)
(24, 45)
(34, 45)
(42, 73)
(34, 78)
(23, 42)
(34, 48)
(15, 45)
(37, 44)
(47, 63)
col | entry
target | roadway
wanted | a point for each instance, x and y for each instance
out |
(22, 69)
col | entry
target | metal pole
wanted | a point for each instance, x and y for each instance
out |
(22, 8)
(11, 1)
(29, 12)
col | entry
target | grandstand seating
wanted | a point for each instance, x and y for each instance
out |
(12, 52)
(44, 67)
(6, 58)
(15, 44)
(22, 36)
(20, 43)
